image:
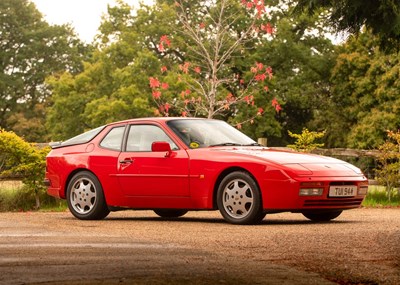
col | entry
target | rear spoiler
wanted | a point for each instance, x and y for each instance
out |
(55, 144)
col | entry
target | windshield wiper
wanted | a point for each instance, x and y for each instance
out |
(252, 144)
(226, 144)
(235, 144)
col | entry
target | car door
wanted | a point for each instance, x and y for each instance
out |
(143, 172)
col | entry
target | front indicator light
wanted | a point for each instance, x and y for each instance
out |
(362, 191)
(311, 191)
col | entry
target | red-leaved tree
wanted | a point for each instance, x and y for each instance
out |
(216, 33)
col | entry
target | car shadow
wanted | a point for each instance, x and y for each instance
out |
(302, 222)
(267, 221)
(180, 219)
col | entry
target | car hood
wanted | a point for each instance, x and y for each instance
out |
(301, 163)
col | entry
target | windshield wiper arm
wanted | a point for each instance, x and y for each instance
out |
(235, 144)
(226, 144)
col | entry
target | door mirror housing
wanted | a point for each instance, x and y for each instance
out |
(161, 147)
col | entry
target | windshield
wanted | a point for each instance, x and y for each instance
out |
(208, 133)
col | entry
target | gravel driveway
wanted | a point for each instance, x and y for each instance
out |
(136, 247)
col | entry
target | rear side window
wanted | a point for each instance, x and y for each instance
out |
(83, 138)
(113, 140)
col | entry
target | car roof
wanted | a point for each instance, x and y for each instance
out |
(156, 119)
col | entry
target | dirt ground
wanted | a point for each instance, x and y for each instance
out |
(136, 247)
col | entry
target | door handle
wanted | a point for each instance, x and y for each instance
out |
(126, 161)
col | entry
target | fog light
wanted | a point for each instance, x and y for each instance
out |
(311, 191)
(363, 190)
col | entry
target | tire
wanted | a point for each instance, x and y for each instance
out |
(322, 216)
(260, 217)
(170, 213)
(85, 197)
(239, 199)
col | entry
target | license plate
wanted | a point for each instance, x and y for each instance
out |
(342, 191)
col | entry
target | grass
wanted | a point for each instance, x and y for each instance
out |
(15, 197)
(58, 206)
(13, 200)
(377, 197)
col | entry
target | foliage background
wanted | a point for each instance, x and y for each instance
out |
(52, 86)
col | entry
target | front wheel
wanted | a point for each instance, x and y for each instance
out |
(239, 199)
(322, 216)
(85, 197)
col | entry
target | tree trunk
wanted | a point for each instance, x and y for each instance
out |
(37, 198)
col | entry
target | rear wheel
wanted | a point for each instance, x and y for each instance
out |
(322, 216)
(239, 199)
(85, 197)
(170, 213)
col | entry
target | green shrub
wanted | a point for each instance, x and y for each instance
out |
(305, 142)
(388, 171)
(21, 159)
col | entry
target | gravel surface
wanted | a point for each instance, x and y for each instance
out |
(362, 246)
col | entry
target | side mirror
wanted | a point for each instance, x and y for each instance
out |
(161, 147)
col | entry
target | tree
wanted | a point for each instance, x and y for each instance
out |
(364, 97)
(301, 57)
(110, 87)
(217, 32)
(30, 50)
(295, 47)
(129, 47)
(380, 16)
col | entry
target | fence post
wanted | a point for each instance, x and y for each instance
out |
(262, 141)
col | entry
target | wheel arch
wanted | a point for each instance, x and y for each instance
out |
(226, 172)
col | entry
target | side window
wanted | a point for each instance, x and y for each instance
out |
(141, 137)
(113, 140)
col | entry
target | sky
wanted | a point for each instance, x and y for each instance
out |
(83, 15)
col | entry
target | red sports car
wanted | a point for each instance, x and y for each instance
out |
(174, 165)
